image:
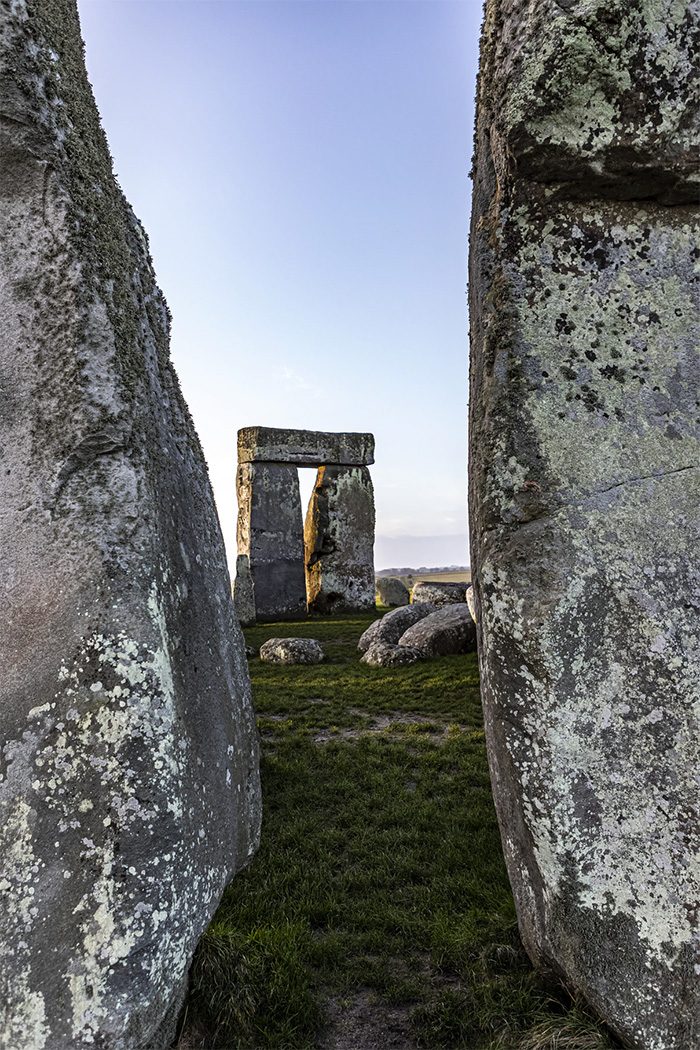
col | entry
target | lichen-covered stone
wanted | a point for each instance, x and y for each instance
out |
(129, 790)
(305, 448)
(439, 593)
(292, 651)
(445, 632)
(585, 492)
(384, 654)
(391, 626)
(596, 98)
(469, 598)
(270, 580)
(339, 541)
(391, 591)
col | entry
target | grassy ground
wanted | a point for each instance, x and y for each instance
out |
(377, 912)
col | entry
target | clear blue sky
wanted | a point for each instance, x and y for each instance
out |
(301, 170)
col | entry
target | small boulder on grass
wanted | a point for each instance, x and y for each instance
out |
(384, 654)
(292, 651)
(393, 624)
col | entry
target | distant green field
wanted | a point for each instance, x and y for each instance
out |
(377, 912)
(441, 577)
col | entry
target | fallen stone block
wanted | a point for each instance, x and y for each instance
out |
(391, 626)
(439, 594)
(444, 633)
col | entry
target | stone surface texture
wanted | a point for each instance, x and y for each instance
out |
(339, 541)
(585, 492)
(391, 591)
(270, 582)
(304, 448)
(446, 632)
(439, 593)
(292, 651)
(129, 791)
(469, 598)
(391, 626)
(384, 654)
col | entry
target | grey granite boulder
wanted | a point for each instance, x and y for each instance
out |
(384, 654)
(292, 651)
(391, 626)
(391, 591)
(444, 633)
(584, 480)
(129, 790)
(439, 593)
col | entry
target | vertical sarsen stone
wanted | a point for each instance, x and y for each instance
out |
(339, 541)
(129, 790)
(270, 569)
(585, 491)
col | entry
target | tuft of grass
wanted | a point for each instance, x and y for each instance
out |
(380, 875)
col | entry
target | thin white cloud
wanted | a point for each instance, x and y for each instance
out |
(297, 382)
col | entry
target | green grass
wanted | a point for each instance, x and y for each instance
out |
(380, 869)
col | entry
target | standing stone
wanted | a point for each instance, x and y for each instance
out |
(129, 790)
(584, 451)
(270, 543)
(339, 541)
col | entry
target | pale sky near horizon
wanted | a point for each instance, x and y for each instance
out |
(301, 169)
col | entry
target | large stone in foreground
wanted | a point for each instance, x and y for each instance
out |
(339, 541)
(585, 493)
(129, 792)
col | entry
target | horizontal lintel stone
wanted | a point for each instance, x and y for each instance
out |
(305, 448)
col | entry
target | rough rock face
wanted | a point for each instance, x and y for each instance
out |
(292, 651)
(392, 625)
(339, 541)
(304, 448)
(390, 591)
(440, 593)
(270, 582)
(384, 654)
(585, 491)
(444, 633)
(129, 790)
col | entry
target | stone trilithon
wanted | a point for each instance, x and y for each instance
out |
(585, 491)
(337, 542)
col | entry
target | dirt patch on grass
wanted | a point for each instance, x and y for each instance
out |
(395, 727)
(362, 1022)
